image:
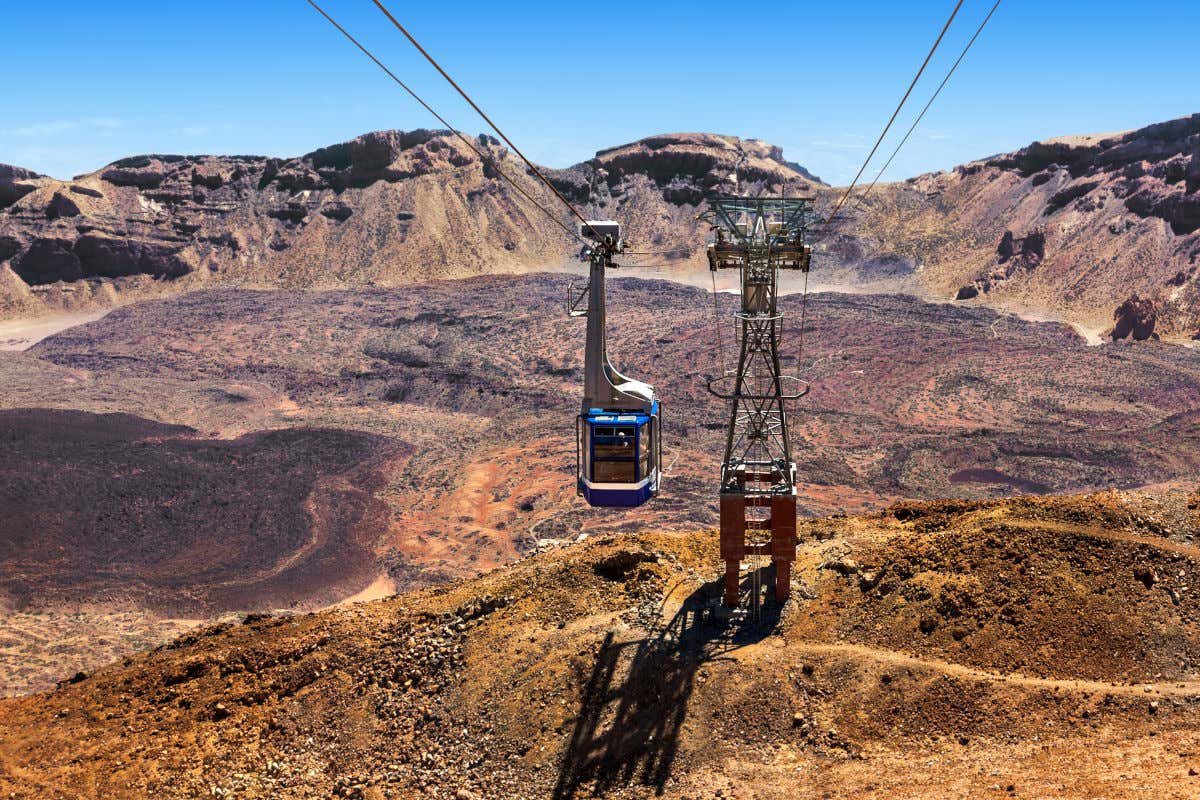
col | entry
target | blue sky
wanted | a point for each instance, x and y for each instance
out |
(87, 83)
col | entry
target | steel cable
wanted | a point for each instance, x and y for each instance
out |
(465, 139)
(533, 167)
(936, 92)
(803, 319)
(895, 113)
(683, 250)
(717, 324)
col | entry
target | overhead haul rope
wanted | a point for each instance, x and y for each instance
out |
(655, 267)
(466, 140)
(862, 197)
(895, 113)
(936, 92)
(532, 167)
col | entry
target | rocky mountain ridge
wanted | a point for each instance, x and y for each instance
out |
(342, 215)
(387, 208)
(1103, 230)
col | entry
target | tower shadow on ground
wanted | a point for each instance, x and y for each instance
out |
(636, 699)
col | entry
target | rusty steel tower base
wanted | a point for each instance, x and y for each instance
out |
(781, 547)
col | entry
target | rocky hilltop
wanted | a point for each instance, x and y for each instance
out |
(657, 186)
(1014, 648)
(1104, 229)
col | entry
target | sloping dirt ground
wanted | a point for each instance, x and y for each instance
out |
(116, 509)
(1034, 647)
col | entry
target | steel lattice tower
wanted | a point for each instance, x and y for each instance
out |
(758, 236)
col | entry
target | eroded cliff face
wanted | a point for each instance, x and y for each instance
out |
(657, 186)
(390, 207)
(1075, 225)
(1155, 171)
(15, 183)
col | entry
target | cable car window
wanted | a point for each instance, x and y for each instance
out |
(644, 457)
(613, 471)
(621, 433)
(614, 455)
(613, 449)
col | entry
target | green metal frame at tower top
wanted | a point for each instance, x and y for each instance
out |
(758, 236)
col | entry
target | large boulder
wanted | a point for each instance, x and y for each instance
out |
(141, 172)
(1028, 250)
(1014, 256)
(14, 183)
(1135, 318)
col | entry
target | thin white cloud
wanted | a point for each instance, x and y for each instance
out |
(825, 144)
(40, 129)
(57, 127)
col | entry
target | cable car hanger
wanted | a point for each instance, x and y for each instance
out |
(618, 432)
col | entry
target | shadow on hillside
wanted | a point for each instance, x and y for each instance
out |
(636, 700)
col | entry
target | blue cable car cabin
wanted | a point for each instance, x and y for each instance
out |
(619, 457)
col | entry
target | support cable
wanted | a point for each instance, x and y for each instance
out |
(936, 92)
(717, 323)
(465, 139)
(533, 167)
(895, 113)
(803, 318)
(683, 250)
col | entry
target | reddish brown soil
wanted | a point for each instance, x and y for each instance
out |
(596, 670)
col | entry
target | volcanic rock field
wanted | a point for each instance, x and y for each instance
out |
(230, 451)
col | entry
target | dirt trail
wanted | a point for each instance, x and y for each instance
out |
(1168, 688)
(22, 334)
(476, 493)
(382, 587)
(1118, 536)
